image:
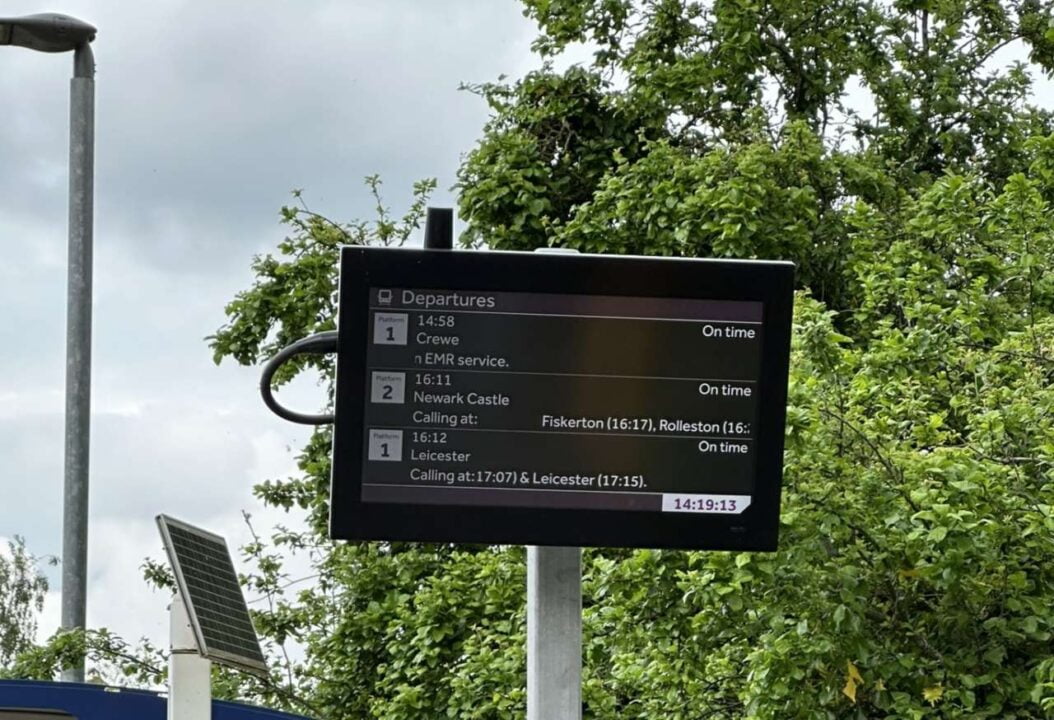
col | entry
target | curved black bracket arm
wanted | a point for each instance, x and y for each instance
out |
(439, 235)
(322, 343)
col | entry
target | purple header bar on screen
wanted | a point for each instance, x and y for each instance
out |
(621, 306)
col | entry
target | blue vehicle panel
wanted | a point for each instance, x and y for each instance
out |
(97, 702)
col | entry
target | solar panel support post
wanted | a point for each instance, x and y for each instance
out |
(189, 674)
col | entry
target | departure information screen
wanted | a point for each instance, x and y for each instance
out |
(576, 400)
(562, 401)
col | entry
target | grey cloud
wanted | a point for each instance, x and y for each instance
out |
(209, 113)
(199, 140)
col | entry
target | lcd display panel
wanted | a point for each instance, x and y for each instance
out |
(564, 400)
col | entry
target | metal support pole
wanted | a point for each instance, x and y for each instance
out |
(78, 347)
(189, 674)
(554, 633)
(439, 229)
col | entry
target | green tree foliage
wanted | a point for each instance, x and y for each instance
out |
(109, 659)
(915, 576)
(22, 591)
(711, 106)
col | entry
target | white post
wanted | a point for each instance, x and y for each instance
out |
(554, 633)
(189, 674)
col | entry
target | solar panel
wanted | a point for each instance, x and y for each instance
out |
(209, 587)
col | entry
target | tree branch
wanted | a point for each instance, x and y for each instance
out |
(894, 473)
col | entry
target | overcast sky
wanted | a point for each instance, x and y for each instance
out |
(208, 114)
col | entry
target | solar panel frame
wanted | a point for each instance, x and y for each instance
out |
(202, 565)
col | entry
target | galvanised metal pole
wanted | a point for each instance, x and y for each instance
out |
(554, 625)
(78, 347)
(554, 633)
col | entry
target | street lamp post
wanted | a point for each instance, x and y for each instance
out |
(51, 32)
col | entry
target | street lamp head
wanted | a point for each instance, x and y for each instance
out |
(46, 32)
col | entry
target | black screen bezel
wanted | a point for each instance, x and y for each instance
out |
(770, 283)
